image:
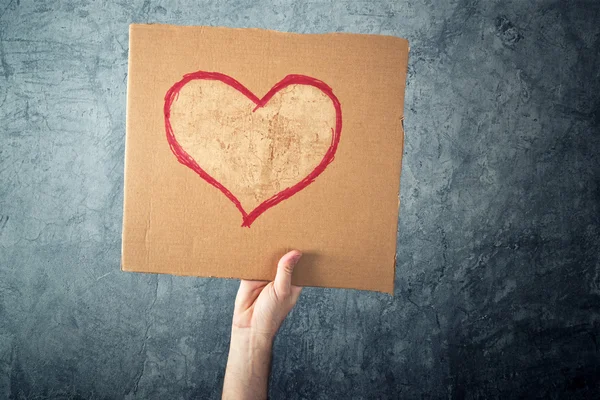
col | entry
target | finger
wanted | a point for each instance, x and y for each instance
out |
(285, 268)
(296, 290)
(247, 294)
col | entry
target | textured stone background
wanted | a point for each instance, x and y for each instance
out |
(498, 274)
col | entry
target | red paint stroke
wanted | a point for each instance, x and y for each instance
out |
(186, 159)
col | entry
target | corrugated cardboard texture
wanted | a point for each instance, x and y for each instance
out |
(344, 222)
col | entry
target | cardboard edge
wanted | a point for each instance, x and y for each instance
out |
(127, 149)
(131, 271)
(402, 140)
(238, 28)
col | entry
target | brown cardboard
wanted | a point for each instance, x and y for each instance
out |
(323, 150)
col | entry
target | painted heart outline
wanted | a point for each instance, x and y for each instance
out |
(184, 158)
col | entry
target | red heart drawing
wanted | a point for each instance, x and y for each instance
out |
(186, 159)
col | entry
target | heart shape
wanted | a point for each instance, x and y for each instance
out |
(291, 125)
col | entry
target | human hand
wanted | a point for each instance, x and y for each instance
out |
(260, 308)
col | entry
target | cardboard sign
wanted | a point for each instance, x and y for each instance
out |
(243, 144)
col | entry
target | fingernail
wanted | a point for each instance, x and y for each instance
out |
(296, 257)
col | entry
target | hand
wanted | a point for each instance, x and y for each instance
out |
(260, 308)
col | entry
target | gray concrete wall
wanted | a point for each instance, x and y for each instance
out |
(498, 273)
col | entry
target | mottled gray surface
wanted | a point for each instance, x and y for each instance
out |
(498, 275)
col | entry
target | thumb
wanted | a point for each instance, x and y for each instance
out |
(285, 268)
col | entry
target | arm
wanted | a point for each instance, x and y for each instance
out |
(260, 308)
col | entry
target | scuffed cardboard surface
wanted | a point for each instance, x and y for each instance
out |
(344, 222)
(253, 153)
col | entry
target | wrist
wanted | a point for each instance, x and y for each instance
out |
(248, 365)
(252, 339)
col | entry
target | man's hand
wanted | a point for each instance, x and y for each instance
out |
(260, 308)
